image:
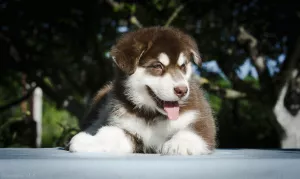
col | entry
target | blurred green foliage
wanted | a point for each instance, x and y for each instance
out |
(58, 125)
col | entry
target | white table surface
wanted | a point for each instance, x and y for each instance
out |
(56, 163)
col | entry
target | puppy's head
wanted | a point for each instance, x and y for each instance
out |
(157, 63)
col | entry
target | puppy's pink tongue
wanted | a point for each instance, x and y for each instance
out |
(172, 109)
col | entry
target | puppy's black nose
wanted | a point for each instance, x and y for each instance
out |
(180, 91)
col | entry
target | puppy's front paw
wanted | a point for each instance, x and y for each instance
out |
(185, 143)
(83, 142)
(108, 139)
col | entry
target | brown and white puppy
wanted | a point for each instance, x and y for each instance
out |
(153, 105)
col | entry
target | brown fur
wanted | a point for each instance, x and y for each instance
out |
(205, 124)
(132, 46)
(101, 93)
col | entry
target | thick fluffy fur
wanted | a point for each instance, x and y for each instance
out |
(152, 65)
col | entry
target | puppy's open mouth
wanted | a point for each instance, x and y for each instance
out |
(170, 107)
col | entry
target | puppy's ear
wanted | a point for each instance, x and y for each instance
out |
(196, 56)
(192, 48)
(127, 53)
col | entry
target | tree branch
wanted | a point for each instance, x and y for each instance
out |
(259, 62)
(135, 22)
(17, 101)
(289, 64)
(133, 19)
(115, 5)
(225, 93)
(251, 41)
(174, 15)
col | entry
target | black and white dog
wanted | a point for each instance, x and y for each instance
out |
(152, 105)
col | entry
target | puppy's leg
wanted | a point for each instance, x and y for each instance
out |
(107, 139)
(185, 142)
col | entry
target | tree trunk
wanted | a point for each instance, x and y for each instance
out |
(287, 110)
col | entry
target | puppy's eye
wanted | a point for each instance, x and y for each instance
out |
(158, 66)
(183, 67)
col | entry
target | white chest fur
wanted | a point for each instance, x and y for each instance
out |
(155, 134)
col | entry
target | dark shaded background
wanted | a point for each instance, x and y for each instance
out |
(250, 49)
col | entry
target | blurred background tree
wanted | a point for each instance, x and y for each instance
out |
(251, 52)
